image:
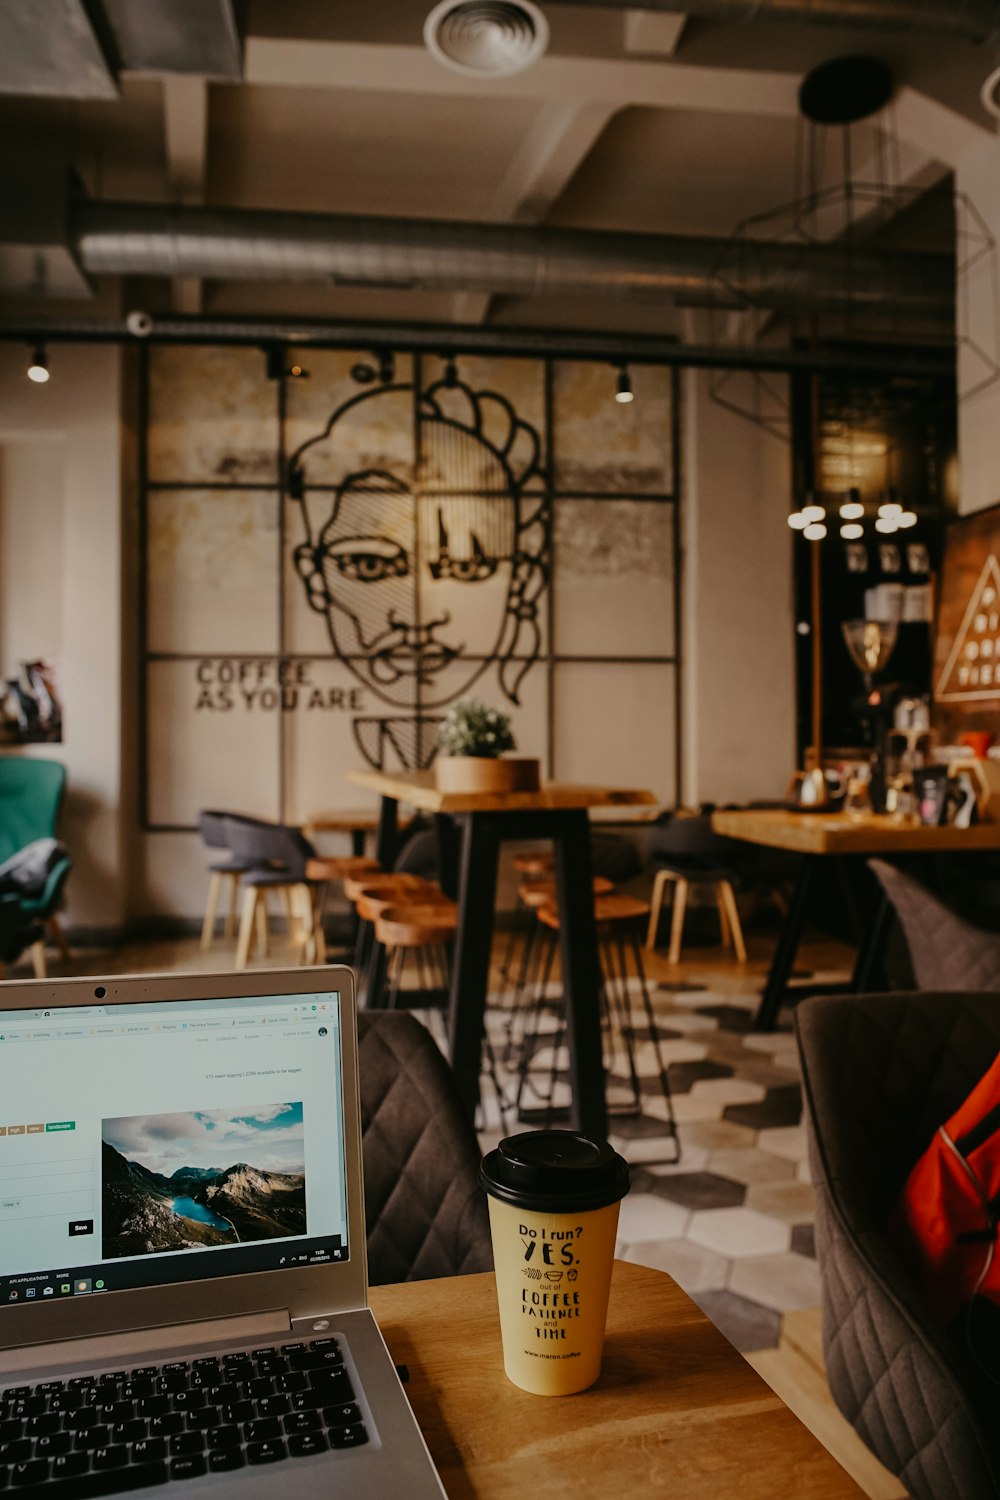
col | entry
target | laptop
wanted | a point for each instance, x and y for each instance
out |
(183, 1278)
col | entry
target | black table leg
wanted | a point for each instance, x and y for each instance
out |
(470, 970)
(387, 837)
(789, 938)
(449, 841)
(357, 842)
(869, 970)
(580, 970)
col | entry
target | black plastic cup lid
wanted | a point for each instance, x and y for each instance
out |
(554, 1171)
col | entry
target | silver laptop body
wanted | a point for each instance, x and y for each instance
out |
(180, 1180)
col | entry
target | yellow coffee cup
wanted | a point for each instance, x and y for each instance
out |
(554, 1197)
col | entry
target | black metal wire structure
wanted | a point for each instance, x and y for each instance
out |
(385, 553)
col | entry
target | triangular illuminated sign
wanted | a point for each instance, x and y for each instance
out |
(972, 670)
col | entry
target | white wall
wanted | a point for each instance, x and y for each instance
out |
(739, 674)
(61, 582)
(978, 177)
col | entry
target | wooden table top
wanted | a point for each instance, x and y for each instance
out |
(419, 789)
(837, 833)
(676, 1411)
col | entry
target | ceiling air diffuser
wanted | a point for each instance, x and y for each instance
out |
(486, 38)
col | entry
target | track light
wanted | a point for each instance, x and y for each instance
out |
(623, 386)
(812, 514)
(814, 533)
(852, 532)
(887, 524)
(38, 369)
(907, 519)
(852, 508)
(890, 505)
(797, 521)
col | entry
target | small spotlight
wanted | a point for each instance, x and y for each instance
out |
(38, 369)
(297, 372)
(852, 508)
(797, 521)
(814, 533)
(887, 524)
(907, 519)
(450, 373)
(852, 531)
(813, 513)
(623, 386)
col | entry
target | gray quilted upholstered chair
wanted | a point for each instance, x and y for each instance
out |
(880, 1074)
(425, 1211)
(947, 952)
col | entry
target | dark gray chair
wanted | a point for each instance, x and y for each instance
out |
(880, 1074)
(275, 856)
(212, 827)
(947, 951)
(426, 1213)
(685, 852)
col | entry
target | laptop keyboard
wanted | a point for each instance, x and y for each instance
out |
(135, 1428)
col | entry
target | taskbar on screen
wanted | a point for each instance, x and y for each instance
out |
(199, 1265)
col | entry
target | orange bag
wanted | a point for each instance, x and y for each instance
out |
(944, 1226)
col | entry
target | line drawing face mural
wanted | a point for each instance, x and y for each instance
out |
(428, 554)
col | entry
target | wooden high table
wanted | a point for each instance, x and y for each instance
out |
(469, 873)
(676, 1411)
(837, 835)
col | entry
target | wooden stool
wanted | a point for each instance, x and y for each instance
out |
(373, 904)
(423, 931)
(324, 871)
(532, 895)
(729, 916)
(392, 887)
(426, 931)
(539, 893)
(620, 919)
(388, 880)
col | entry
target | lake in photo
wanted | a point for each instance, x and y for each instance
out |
(189, 1209)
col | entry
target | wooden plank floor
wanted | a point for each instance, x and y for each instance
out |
(795, 1373)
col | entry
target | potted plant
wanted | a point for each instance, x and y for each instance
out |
(473, 742)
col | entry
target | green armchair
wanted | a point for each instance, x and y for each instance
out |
(31, 793)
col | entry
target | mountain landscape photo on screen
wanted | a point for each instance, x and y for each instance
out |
(202, 1178)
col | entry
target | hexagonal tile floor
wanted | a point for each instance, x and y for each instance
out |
(733, 1219)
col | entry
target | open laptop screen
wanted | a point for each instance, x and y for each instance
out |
(154, 1143)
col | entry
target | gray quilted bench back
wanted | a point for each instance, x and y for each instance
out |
(426, 1214)
(880, 1074)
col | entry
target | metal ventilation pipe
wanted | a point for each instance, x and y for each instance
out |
(973, 20)
(243, 245)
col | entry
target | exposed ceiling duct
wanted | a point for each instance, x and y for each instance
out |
(975, 20)
(75, 49)
(243, 245)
